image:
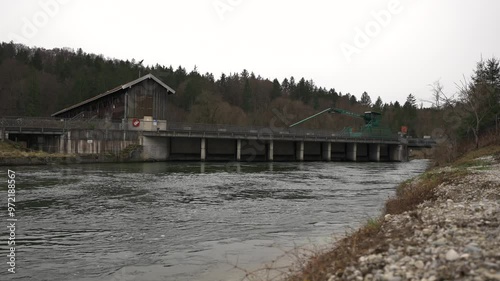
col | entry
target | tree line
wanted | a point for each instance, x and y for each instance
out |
(39, 82)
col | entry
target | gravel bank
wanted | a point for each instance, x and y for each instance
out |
(454, 237)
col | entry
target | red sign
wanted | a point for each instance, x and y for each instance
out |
(404, 129)
(136, 122)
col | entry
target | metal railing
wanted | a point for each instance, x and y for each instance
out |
(47, 124)
(421, 142)
(276, 132)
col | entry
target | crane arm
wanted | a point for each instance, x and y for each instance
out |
(329, 110)
(310, 117)
(345, 112)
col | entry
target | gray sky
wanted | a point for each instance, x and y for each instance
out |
(388, 48)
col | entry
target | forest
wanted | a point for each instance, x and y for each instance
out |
(38, 82)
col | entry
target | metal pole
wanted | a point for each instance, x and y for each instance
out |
(310, 117)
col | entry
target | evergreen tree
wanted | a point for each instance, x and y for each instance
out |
(2, 53)
(285, 87)
(33, 102)
(411, 102)
(480, 100)
(247, 96)
(192, 91)
(316, 101)
(244, 74)
(409, 114)
(365, 99)
(378, 105)
(276, 92)
(292, 85)
(353, 100)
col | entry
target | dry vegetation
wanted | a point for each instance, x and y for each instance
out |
(10, 149)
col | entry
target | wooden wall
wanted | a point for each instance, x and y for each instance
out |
(147, 98)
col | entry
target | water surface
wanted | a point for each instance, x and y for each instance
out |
(186, 221)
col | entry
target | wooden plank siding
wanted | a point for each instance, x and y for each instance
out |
(144, 97)
(147, 98)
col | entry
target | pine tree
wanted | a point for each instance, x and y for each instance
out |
(285, 87)
(247, 97)
(411, 102)
(365, 99)
(276, 92)
(33, 102)
(378, 105)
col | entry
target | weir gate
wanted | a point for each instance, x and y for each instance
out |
(161, 141)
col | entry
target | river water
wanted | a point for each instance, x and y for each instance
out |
(185, 221)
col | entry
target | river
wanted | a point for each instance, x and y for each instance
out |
(185, 221)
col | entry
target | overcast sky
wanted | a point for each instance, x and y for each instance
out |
(388, 48)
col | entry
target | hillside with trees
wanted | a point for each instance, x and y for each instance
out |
(39, 82)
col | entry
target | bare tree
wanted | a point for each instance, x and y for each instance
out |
(439, 98)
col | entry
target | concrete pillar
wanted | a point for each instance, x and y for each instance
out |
(68, 144)
(396, 153)
(154, 148)
(167, 150)
(327, 151)
(299, 153)
(374, 150)
(238, 150)
(351, 151)
(203, 154)
(270, 151)
(62, 143)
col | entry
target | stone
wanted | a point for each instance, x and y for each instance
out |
(426, 231)
(492, 276)
(473, 248)
(419, 264)
(452, 255)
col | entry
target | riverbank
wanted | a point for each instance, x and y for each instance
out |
(442, 225)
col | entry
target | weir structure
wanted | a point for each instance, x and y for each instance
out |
(231, 143)
(133, 118)
(162, 141)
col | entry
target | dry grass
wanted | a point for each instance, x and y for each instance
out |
(10, 149)
(471, 157)
(369, 239)
(450, 152)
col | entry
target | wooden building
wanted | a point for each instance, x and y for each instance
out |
(143, 97)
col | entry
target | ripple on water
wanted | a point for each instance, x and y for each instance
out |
(178, 221)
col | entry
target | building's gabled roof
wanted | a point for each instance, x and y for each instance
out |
(124, 86)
